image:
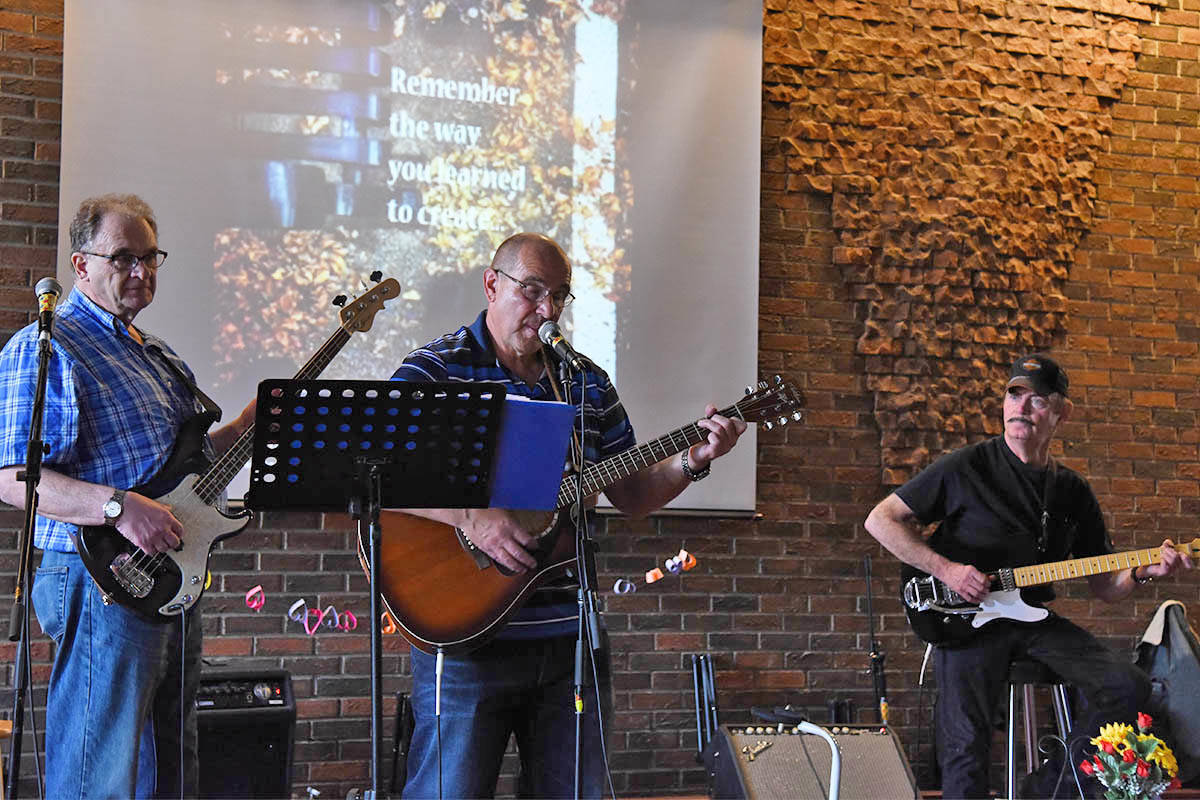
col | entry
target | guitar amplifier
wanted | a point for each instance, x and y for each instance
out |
(246, 721)
(797, 765)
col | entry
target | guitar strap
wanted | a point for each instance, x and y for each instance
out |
(1043, 543)
(205, 401)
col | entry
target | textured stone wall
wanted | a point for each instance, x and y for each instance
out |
(958, 142)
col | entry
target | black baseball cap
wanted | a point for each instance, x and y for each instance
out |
(1040, 373)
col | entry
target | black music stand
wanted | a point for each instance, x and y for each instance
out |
(368, 445)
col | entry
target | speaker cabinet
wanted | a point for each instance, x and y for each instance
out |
(247, 723)
(797, 765)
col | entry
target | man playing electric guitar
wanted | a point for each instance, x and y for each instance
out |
(522, 681)
(116, 399)
(1005, 503)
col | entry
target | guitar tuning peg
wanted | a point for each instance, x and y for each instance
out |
(749, 389)
(778, 379)
(768, 425)
(762, 385)
(783, 420)
(339, 301)
(796, 415)
(376, 276)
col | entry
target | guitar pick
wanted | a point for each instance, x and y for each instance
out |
(389, 624)
(349, 621)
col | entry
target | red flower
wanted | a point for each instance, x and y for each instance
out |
(1107, 747)
(1087, 768)
(1144, 721)
(1129, 756)
(1143, 769)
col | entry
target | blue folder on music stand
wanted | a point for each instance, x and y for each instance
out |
(531, 451)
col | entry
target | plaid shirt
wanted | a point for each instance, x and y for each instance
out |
(468, 355)
(113, 408)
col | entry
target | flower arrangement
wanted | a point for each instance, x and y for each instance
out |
(1132, 766)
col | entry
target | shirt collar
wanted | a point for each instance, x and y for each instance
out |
(483, 340)
(100, 316)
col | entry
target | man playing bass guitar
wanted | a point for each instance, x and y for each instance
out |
(1004, 503)
(522, 681)
(116, 400)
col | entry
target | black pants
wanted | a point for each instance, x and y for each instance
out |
(971, 679)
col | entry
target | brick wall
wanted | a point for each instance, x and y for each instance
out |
(780, 600)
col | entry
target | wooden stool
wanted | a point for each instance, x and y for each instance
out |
(1027, 674)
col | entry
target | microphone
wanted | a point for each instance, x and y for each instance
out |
(48, 291)
(550, 335)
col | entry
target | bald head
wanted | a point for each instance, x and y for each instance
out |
(529, 247)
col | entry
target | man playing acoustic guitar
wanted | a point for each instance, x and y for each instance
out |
(1004, 503)
(522, 682)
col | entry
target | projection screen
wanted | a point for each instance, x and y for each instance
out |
(291, 147)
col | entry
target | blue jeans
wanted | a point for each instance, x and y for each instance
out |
(523, 688)
(113, 711)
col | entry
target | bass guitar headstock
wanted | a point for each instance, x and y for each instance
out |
(358, 315)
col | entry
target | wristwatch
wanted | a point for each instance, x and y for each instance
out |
(114, 507)
(691, 474)
(1140, 581)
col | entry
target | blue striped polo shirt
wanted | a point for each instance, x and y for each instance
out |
(468, 355)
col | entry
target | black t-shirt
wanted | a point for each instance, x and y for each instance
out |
(990, 504)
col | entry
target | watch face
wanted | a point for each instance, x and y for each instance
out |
(112, 509)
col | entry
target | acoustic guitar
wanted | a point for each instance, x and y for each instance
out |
(443, 593)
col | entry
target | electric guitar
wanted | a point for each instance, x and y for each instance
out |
(165, 585)
(443, 593)
(939, 615)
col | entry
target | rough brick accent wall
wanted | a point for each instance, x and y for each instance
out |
(958, 143)
(944, 183)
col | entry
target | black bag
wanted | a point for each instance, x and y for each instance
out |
(1170, 653)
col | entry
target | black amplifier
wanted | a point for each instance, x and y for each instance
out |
(246, 723)
(244, 690)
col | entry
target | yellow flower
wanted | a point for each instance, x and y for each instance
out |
(1162, 754)
(1114, 733)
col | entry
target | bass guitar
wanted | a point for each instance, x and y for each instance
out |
(165, 585)
(940, 616)
(444, 594)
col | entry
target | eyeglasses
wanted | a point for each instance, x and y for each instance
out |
(125, 261)
(535, 293)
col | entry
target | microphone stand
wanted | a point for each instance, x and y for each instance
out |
(18, 621)
(877, 655)
(585, 567)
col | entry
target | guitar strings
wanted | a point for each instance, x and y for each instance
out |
(605, 472)
(210, 485)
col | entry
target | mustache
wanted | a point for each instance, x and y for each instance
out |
(1026, 420)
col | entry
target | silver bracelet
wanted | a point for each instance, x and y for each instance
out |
(690, 473)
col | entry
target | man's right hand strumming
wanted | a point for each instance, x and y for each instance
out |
(495, 532)
(149, 524)
(968, 582)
